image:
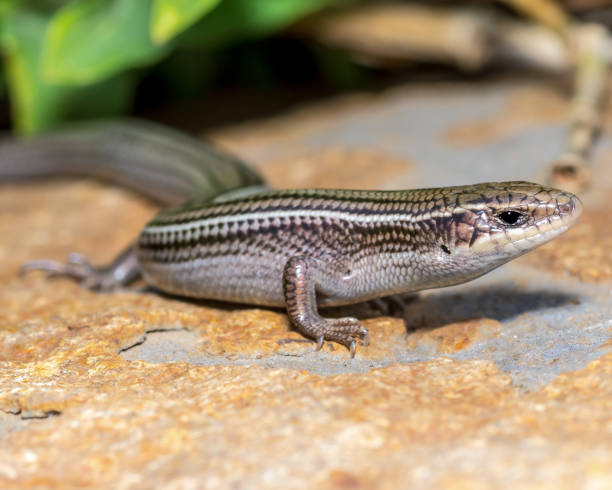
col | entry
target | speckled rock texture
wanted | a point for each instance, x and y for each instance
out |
(505, 382)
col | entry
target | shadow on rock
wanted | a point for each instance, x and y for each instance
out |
(435, 310)
(498, 303)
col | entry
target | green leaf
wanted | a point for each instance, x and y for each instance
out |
(6, 6)
(37, 105)
(171, 17)
(90, 40)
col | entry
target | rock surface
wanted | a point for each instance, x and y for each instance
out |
(502, 382)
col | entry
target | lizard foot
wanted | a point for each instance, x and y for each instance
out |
(393, 305)
(77, 267)
(123, 270)
(346, 331)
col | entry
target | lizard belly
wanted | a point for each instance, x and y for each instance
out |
(253, 279)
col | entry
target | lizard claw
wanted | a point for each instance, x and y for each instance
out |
(320, 341)
(352, 348)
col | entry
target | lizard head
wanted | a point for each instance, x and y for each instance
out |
(486, 225)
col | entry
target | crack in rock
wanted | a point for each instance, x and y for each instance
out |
(143, 338)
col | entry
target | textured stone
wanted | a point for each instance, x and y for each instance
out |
(138, 425)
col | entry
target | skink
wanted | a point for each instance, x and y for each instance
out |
(237, 241)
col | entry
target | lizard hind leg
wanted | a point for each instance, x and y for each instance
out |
(301, 278)
(122, 271)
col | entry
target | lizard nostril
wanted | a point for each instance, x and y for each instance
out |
(571, 209)
(566, 208)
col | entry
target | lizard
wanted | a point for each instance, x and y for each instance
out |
(227, 236)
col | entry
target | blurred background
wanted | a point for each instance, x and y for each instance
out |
(66, 60)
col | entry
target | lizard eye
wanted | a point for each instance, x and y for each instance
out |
(511, 217)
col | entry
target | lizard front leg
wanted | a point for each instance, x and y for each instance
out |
(302, 277)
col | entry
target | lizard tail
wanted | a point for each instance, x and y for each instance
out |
(157, 162)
